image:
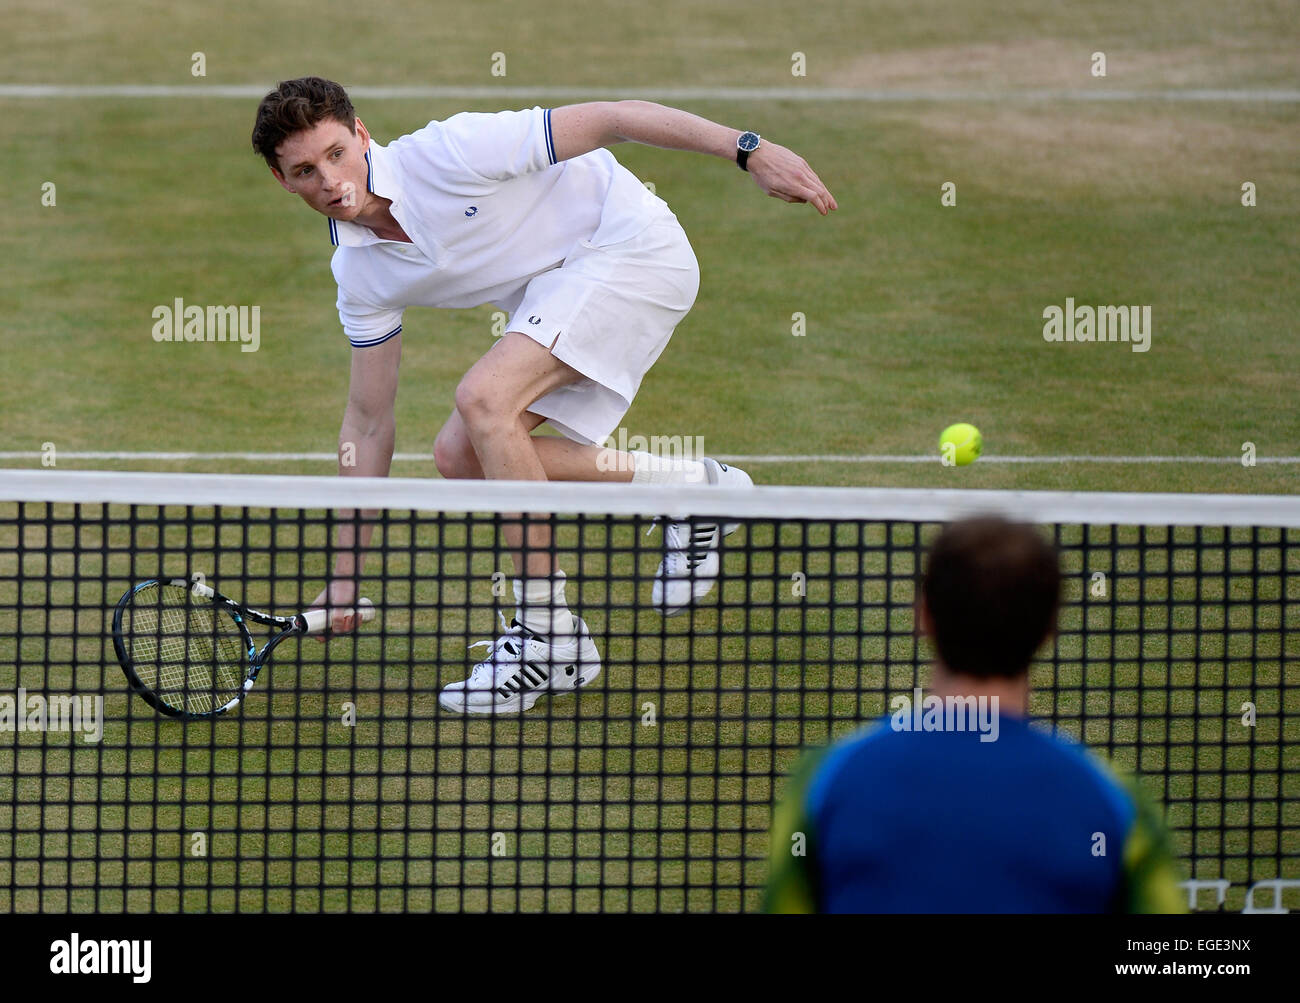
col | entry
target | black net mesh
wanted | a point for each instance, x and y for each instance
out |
(341, 785)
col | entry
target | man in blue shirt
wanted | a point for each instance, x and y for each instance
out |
(955, 803)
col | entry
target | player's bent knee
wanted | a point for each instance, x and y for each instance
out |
(477, 403)
(454, 456)
(456, 465)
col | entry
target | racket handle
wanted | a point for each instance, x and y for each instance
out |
(318, 620)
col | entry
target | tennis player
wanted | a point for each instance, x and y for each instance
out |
(900, 818)
(528, 211)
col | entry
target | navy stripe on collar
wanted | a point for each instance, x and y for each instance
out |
(370, 187)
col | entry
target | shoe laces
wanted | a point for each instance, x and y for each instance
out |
(511, 641)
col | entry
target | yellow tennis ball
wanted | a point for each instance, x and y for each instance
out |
(960, 444)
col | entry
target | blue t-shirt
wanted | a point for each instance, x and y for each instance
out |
(940, 821)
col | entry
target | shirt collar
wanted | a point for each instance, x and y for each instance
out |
(381, 179)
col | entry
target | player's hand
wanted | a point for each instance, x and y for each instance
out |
(339, 597)
(785, 175)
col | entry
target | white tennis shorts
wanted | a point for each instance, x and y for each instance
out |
(608, 312)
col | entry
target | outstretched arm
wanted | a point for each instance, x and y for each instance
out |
(580, 128)
(365, 450)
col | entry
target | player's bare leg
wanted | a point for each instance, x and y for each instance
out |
(492, 401)
(561, 459)
(692, 551)
(546, 647)
(489, 435)
(566, 460)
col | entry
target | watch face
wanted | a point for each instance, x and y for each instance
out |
(748, 142)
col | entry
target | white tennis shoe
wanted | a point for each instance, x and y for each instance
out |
(521, 667)
(692, 550)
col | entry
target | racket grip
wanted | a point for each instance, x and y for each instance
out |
(318, 620)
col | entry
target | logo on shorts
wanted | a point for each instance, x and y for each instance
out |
(534, 319)
(471, 210)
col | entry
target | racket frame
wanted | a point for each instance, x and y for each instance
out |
(289, 626)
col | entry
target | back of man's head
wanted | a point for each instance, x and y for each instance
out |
(992, 588)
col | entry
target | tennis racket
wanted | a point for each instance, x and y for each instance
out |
(187, 650)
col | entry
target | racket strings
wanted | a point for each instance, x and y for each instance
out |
(191, 656)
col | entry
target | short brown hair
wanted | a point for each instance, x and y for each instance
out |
(992, 588)
(296, 105)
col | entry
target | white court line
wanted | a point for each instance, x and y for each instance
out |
(725, 457)
(869, 95)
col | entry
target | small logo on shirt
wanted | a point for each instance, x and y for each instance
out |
(471, 210)
(534, 319)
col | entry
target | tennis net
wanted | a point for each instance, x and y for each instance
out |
(340, 785)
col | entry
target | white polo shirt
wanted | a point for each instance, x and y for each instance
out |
(487, 209)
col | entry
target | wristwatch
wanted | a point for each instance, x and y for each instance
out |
(746, 144)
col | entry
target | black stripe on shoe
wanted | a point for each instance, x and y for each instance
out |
(535, 673)
(701, 544)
